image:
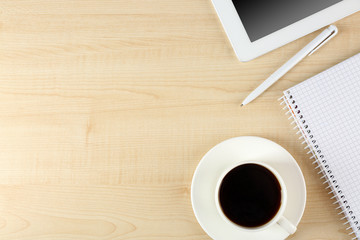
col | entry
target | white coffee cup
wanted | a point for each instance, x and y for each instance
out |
(277, 219)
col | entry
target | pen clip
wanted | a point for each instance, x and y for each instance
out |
(332, 34)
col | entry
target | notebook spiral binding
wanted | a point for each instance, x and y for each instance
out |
(320, 160)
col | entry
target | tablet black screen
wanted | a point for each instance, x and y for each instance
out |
(262, 17)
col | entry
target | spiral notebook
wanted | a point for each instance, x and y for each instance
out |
(326, 111)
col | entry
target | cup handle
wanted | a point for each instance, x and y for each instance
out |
(287, 225)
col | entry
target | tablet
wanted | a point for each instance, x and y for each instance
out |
(255, 27)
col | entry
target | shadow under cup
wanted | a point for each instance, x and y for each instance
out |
(250, 195)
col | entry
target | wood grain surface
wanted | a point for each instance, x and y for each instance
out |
(108, 106)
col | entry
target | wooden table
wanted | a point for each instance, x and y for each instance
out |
(108, 106)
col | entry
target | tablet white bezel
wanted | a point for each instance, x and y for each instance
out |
(246, 50)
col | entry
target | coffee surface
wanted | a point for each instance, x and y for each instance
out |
(250, 195)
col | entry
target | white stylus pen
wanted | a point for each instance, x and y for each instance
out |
(309, 49)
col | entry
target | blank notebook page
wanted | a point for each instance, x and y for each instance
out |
(326, 109)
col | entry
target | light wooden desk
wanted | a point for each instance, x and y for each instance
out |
(108, 106)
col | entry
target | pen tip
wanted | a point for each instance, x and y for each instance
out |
(241, 105)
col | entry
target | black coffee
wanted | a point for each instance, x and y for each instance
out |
(250, 195)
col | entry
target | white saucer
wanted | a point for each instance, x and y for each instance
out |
(237, 150)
